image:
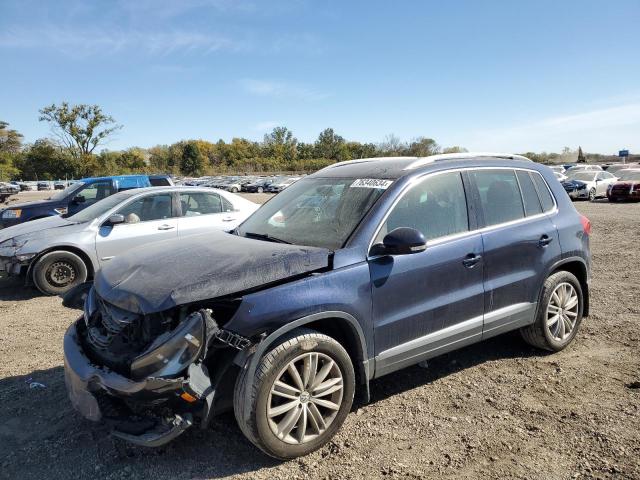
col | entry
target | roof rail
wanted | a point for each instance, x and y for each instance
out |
(459, 156)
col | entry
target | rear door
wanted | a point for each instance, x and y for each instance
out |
(520, 243)
(429, 302)
(203, 212)
(147, 219)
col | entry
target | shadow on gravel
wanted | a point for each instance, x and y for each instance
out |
(41, 435)
(504, 346)
(13, 288)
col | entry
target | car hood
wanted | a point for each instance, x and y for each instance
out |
(43, 227)
(32, 204)
(573, 183)
(200, 267)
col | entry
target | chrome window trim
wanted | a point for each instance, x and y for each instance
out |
(456, 236)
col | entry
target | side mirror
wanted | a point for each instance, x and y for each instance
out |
(78, 199)
(116, 218)
(400, 241)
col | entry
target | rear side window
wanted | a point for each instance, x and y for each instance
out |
(159, 181)
(437, 207)
(543, 191)
(499, 195)
(145, 209)
(197, 203)
(529, 194)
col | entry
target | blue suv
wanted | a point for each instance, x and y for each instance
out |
(352, 273)
(78, 196)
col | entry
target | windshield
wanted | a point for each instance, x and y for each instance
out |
(582, 176)
(62, 194)
(317, 212)
(101, 207)
(629, 175)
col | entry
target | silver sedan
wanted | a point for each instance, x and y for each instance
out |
(58, 253)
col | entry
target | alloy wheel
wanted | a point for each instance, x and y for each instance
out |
(305, 398)
(562, 311)
(592, 194)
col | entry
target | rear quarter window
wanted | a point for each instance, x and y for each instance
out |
(543, 191)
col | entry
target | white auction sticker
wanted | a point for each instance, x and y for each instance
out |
(371, 183)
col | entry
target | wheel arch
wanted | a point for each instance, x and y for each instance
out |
(578, 267)
(341, 326)
(63, 248)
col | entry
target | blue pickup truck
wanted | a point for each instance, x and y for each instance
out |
(78, 196)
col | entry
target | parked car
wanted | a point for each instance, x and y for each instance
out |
(279, 184)
(59, 186)
(626, 188)
(583, 167)
(259, 186)
(78, 196)
(587, 184)
(561, 177)
(21, 185)
(44, 186)
(57, 253)
(398, 260)
(8, 189)
(557, 168)
(619, 167)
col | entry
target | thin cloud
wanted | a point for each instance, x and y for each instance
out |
(92, 41)
(266, 88)
(596, 130)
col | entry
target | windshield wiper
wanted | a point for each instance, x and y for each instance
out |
(264, 236)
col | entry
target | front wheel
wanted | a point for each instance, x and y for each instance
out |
(559, 313)
(260, 190)
(592, 195)
(299, 396)
(57, 272)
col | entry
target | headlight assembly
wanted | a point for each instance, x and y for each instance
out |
(172, 352)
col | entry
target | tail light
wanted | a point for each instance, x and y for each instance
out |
(586, 224)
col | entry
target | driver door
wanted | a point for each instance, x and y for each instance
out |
(147, 219)
(429, 302)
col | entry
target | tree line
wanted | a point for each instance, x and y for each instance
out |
(78, 131)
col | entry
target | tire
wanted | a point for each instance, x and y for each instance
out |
(592, 195)
(57, 272)
(234, 190)
(294, 349)
(260, 190)
(546, 334)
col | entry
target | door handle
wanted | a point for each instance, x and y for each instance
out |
(545, 240)
(471, 260)
(166, 227)
(228, 219)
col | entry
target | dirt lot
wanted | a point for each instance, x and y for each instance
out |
(495, 410)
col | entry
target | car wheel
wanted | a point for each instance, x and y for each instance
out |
(260, 190)
(234, 190)
(299, 396)
(592, 195)
(57, 272)
(559, 313)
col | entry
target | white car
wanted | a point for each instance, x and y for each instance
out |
(560, 176)
(583, 167)
(557, 168)
(58, 253)
(588, 184)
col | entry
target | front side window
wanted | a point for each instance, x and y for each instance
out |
(499, 195)
(197, 203)
(436, 207)
(317, 212)
(96, 191)
(151, 207)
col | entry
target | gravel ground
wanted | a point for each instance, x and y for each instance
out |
(498, 409)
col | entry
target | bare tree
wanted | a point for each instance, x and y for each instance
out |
(81, 128)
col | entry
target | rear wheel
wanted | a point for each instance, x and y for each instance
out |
(260, 190)
(559, 313)
(57, 272)
(299, 397)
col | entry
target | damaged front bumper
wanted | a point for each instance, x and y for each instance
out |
(150, 411)
(13, 266)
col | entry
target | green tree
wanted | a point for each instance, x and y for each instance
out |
(455, 149)
(280, 144)
(10, 146)
(423, 147)
(192, 159)
(44, 160)
(330, 145)
(80, 128)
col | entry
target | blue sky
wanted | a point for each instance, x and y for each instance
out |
(492, 75)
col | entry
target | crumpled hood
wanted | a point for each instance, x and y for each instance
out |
(47, 226)
(165, 274)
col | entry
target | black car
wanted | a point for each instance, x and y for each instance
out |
(352, 273)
